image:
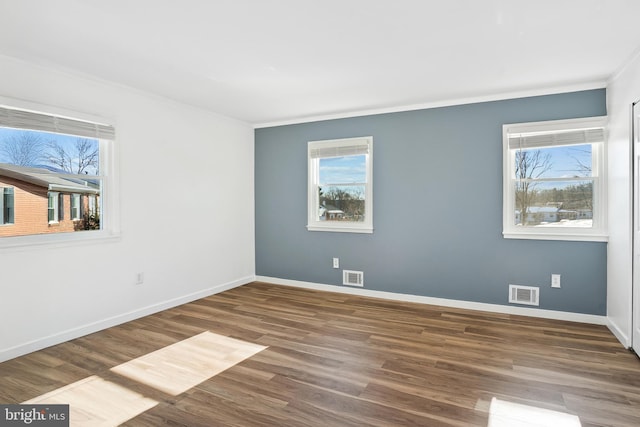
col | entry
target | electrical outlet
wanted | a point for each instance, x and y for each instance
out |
(555, 280)
(336, 263)
(139, 278)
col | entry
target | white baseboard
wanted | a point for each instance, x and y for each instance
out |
(624, 339)
(493, 308)
(31, 346)
(40, 343)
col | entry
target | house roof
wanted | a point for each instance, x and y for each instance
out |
(51, 180)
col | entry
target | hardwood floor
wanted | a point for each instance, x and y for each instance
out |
(339, 360)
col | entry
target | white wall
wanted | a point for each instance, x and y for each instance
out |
(622, 91)
(186, 209)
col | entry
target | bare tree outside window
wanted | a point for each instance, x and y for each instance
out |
(530, 164)
(39, 149)
(349, 201)
(581, 166)
(554, 178)
(24, 149)
(79, 159)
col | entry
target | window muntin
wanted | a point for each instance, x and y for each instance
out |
(340, 188)
(74, 157)
(554, 180)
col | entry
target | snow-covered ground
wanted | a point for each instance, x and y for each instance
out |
(582, 223)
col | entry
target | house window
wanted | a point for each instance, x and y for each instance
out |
(59, 163)
(61, 207)
(6, 205)
(554, 180)
(75, 207)
(340, 192)
(92, 204)
(54, 207)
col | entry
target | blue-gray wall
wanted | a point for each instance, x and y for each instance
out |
(437, 176)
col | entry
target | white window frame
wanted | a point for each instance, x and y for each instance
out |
(109, 205)
(598, 231)
(92, 205)
(53, 195)
(74, 202)
(2, 218)
(338, 148)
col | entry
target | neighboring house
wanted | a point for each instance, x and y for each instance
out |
(330, 213)
(538, 214)
(38, 201)
(584, 214)
(546, 214)
(565, 214)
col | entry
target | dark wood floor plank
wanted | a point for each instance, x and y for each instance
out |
(335, 359)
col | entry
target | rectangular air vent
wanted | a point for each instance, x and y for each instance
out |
(528, 295)
(352, 278)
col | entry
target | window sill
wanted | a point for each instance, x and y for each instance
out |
(571, 237)
(340, 229)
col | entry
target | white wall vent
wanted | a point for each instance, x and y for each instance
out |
(352, 278)
(528, 295)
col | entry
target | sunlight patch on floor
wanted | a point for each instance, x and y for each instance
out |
(508, 414)
(174, 369)
(177, 368)
(94, 401)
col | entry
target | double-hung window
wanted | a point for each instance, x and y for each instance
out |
(53, 207)
(554, 180)
(75, 206)
(340, 192)
(54, 163)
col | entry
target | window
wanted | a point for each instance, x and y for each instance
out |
(554, 180)
(60, 207)
(6, 206)
(57, 164)
(340, 193)
(54, 207)
(92, 204)
(75, 207)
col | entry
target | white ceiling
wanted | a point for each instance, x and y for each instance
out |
(268, 61)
